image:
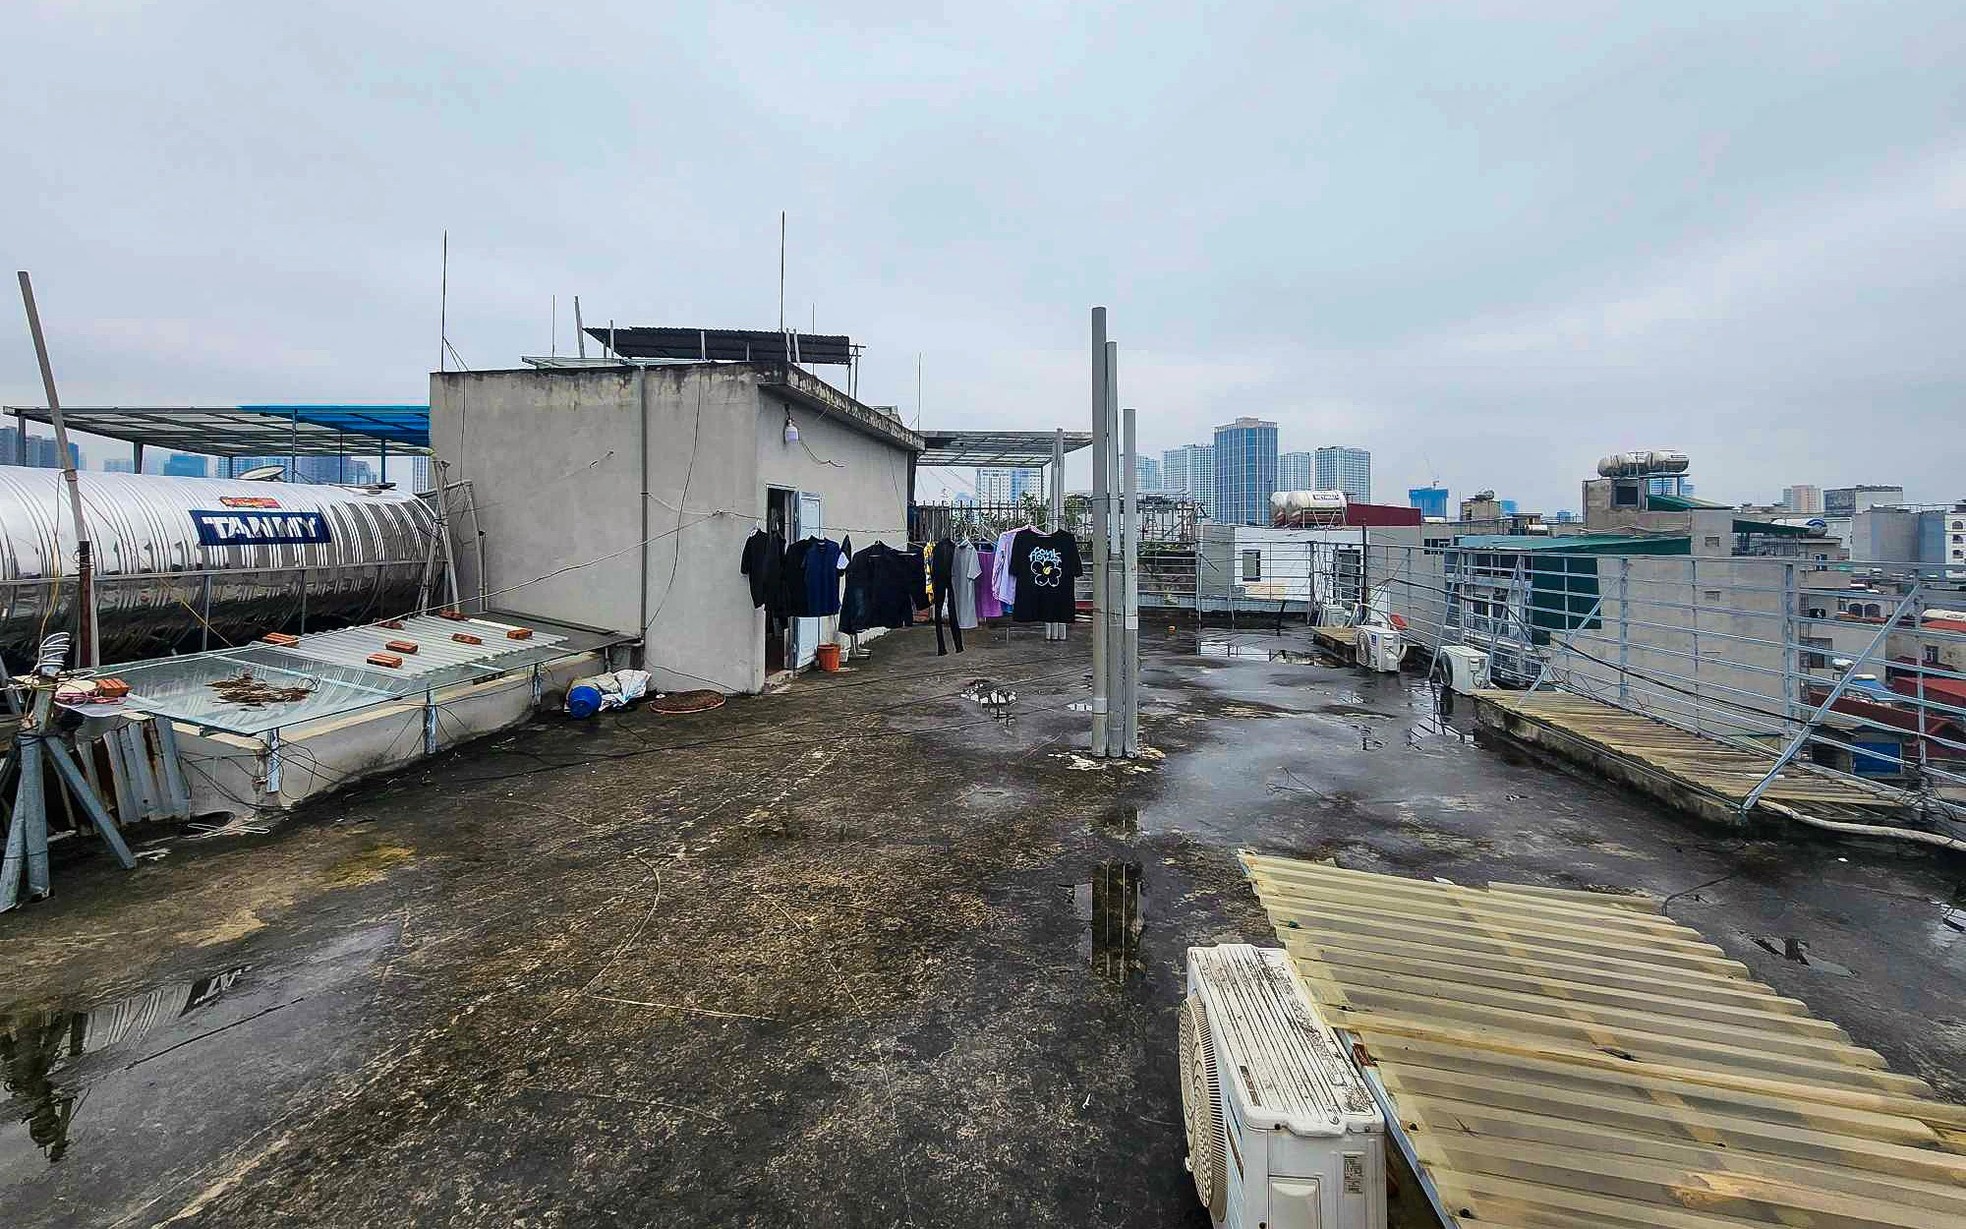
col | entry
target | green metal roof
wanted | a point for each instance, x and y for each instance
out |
(1580, 544)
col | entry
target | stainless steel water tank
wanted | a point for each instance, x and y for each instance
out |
(174, 553)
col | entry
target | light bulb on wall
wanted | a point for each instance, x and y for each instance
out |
(791, 430)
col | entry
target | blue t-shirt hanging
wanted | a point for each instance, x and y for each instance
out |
(822, 578)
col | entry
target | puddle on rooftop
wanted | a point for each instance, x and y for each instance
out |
(99, 1102)
(47, 1058)
(1254, 651)
(1112, 906)
(1122, 821)
(1436, 709)
(1790, 948)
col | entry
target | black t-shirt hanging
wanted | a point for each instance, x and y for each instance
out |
(1044, 566)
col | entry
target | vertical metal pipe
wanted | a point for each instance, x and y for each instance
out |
(1057, 631)
(642, 404)
(1115, 583)
(1624, 629)
(1130, 591)
(1791, 647)
(1101, 370)
(1693, 617)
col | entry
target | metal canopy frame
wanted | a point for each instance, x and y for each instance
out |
(996, 449)
(251, 430)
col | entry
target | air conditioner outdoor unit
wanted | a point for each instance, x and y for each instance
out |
(1467, 668)
(1282, 1131)
(1379, 647)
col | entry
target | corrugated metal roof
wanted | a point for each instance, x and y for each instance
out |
(1570, 1059)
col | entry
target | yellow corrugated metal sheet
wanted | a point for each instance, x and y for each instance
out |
(1567, 1059)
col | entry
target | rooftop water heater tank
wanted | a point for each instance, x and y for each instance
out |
(1307, 501)
(1643, 464)
(173, 555)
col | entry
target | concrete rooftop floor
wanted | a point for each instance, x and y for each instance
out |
(828, 956)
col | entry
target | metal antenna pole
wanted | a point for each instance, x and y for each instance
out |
(444, 302)
(579, 331)
(85, 612)
(781, 271)
(1130, 595)
(553, 328)
(1101, 370)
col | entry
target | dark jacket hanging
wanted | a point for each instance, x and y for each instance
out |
(884, 588)
(763, 562)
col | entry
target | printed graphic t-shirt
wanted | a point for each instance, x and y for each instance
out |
(1044, 565)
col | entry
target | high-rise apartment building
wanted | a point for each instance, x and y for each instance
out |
(1146, 474)
(41, 450)
(1007, 486)
(1802, 499)
(1295, 471)
(1245, 471)
(1345, 469)
(1190, 470)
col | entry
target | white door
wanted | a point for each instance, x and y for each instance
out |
(805, 632)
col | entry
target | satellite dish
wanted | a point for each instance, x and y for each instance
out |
(265, 473)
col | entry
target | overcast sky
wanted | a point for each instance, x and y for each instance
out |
(1488, 241)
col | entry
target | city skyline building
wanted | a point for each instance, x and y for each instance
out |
(186, 465)
(1339, 468)
(1146, 473)
(1803, 498)
(1007, 486)
(41, 450)
(1295, 471)
(1245, 471)
(1190, 470)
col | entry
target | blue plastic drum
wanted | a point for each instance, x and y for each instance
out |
(583, 700)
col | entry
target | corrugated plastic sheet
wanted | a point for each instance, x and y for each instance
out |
(1567, 1059)
(333, 669)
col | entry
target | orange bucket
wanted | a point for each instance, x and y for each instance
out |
(828, 657)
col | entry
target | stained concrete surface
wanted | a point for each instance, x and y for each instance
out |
(864, 952)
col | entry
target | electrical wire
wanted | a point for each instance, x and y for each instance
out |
(682, 500)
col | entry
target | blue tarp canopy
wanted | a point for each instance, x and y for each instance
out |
(253, 430)
(399, 424)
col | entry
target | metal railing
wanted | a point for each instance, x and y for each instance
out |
(1781, 656)
(1820, 666)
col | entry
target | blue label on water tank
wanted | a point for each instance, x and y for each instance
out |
(233, 527)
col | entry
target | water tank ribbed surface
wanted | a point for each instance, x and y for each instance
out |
(152, 593)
